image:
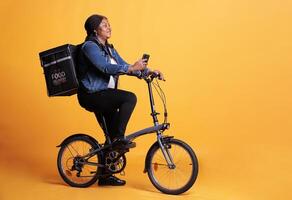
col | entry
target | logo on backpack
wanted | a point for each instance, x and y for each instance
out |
(58, 78)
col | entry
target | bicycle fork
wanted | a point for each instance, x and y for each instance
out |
(164, 149)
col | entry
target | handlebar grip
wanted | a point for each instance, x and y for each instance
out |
(154, 75)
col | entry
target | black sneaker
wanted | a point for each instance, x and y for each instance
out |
(121, 139)
(111, 180)
(123, 142)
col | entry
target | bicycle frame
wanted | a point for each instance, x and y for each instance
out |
(157, 128)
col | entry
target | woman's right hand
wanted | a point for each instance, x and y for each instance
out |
(138, 65)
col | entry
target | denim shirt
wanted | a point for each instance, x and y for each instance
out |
(97, 68)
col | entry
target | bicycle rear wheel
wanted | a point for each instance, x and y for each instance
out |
(73, 168)
(179, 178)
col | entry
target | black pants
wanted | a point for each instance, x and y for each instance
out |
(114, 104)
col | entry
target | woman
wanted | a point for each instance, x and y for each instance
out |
(100, 66)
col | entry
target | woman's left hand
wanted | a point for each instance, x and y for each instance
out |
(159, 73)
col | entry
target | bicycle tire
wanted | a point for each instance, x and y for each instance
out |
(151, 170)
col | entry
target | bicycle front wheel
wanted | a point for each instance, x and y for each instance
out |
(172, 179)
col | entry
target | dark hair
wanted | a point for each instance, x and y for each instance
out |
(92, 23)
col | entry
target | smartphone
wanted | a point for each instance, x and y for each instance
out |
(146, 56)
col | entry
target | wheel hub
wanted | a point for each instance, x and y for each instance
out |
(78, 164)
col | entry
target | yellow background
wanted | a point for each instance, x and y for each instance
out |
(228, 69)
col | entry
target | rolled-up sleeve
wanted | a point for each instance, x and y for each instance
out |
(94, 55)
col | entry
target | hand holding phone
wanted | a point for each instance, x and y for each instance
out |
(140, 64)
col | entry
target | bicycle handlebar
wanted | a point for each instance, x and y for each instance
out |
(151, 76)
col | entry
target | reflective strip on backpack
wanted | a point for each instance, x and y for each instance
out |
(57, 61)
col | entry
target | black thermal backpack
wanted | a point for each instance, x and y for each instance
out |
(60, 69)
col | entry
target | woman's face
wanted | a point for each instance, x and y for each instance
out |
(104, 30)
